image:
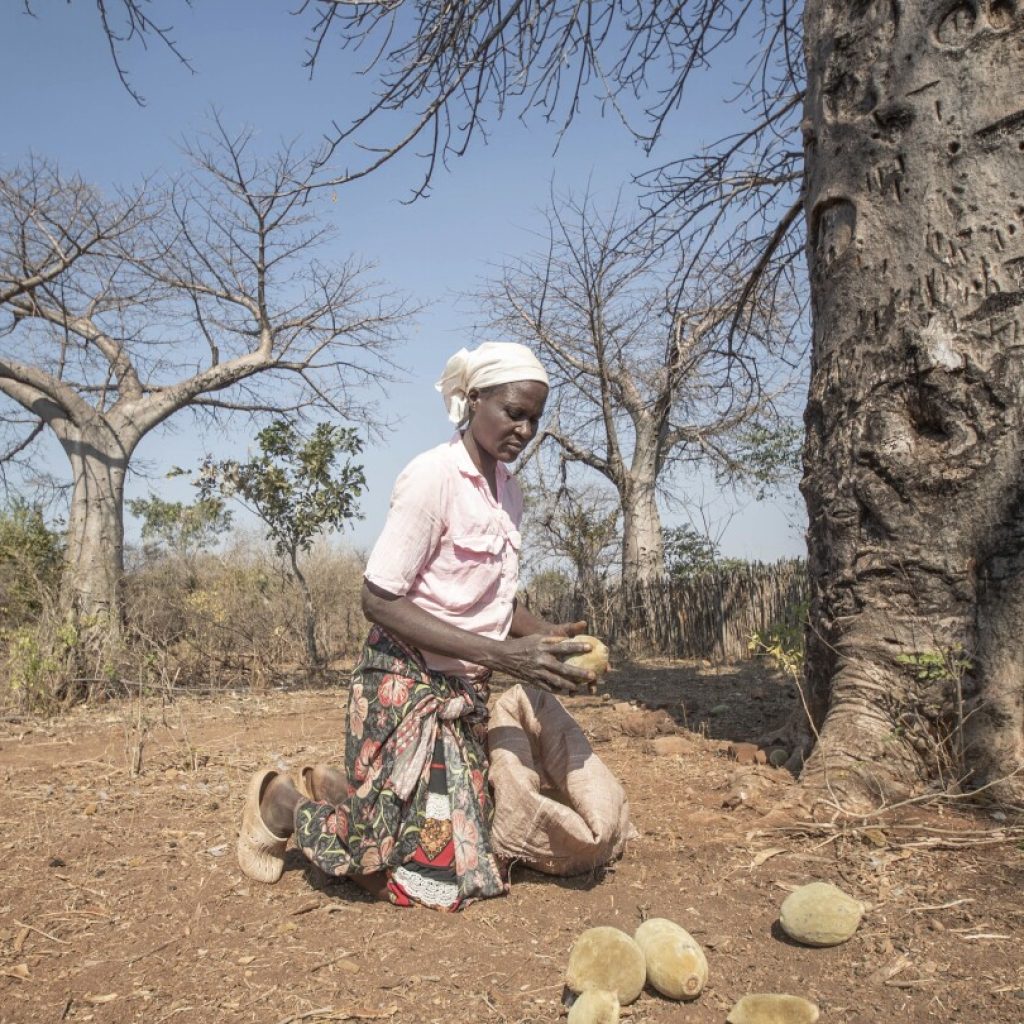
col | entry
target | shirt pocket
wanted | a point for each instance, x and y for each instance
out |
(472, 572)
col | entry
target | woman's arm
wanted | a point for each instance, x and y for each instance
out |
(525, 623)
(533, 657)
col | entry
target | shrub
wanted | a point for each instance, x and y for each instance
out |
(235, 619)
(31, 561)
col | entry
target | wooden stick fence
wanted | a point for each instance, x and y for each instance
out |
(710, 616)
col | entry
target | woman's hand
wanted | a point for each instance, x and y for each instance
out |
(568, 628)
(525, 623)
(537, 659)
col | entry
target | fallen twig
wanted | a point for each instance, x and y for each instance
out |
(75, 885)
(327, 963)
(39, 931)
(341, 1014)
(941, 906)
(150, 952)
(323, 1011)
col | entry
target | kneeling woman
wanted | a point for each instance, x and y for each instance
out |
(409, 818)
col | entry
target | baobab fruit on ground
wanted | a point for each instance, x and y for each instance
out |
(820, 914)
(595, 1006)
(609, 960)
(773, 1008)
(676, 965)
(596, 659)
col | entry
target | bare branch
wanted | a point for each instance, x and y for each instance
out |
(121, 312)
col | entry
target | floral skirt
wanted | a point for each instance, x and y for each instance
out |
(418, 804)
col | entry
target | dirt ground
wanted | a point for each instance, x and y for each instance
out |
(121, 899)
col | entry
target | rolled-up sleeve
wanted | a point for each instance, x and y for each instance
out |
(412, 530)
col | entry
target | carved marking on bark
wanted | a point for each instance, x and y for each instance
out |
(890, 178)
(923, 88)
(833, 228)
(846, 96)
(955, 25)
(1003, 127)
(1000, 15)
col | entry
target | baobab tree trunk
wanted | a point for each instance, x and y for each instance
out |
(914, 479)
(95, 540)
(643, 553)
(643, 559)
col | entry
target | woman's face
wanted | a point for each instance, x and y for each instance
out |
(504, 418)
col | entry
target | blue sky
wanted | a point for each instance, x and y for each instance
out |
(65, 102)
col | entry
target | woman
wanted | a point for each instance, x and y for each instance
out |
(409, 818)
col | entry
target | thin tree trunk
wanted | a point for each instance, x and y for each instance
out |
(94, 560)
(913, 464)
(313, 659)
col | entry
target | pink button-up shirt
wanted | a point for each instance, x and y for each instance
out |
(450, 547)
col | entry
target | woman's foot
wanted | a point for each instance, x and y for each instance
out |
(277, 805)
(376, 884)
(324, 783)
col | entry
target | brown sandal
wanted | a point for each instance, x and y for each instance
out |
(260, 852)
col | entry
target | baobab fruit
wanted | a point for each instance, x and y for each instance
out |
(596, 659)
(773, 1008)
(595, 1006)
(676, 965)
(609, 960)
(820, 914)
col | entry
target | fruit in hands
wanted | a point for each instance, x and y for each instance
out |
(596, 659)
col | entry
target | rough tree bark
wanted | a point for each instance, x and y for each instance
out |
(914, 481)
(95, 537)
(643, 551)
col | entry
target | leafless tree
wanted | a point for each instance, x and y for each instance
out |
(203, 293)
(646, 374)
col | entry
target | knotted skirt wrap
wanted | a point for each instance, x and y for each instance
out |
(557, 807)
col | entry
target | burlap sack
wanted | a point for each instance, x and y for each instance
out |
(556, 806)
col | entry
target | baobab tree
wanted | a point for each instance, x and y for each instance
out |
(204, 293)
(914, 137)
(646, 373)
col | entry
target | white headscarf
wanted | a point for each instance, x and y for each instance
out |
(489, 364)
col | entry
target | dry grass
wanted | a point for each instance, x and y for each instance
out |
(204, 623)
